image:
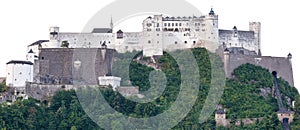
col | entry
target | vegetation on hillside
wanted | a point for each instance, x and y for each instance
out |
(241, 97)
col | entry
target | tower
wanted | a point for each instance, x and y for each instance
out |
(153, 36)
(54, 37)
(235, 37)
(213, 21)
(220, 118)
(226, 60)
(256, 28)
(30, 56)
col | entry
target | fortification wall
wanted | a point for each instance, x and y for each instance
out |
(87, 40)
(282, 65)
(42, 92)
(57, 65)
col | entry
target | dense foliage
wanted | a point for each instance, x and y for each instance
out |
(3, 87)
(242, 98)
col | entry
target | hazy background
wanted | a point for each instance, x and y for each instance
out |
(24, 22)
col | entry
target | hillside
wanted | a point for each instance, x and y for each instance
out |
(246, 95)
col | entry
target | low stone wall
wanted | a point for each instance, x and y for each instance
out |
(42, 92)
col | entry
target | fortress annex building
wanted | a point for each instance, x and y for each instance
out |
(51, 61)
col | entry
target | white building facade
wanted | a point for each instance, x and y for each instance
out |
(18, 73)
(110, 80)
(160, 33)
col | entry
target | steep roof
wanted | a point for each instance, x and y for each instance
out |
(19, 62)
(220, 111)
(38, 42)
(30, 51)
(120, 31)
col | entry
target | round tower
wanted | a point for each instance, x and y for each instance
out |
(54, 37)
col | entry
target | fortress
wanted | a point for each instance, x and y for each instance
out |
(50, 62)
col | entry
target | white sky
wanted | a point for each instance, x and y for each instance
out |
(24, 22)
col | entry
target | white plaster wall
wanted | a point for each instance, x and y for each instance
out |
(18, 74)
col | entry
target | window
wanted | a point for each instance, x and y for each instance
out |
(235, 34)
(157, 34)
(8, 73)
(172, 24)
(165, 24)
(176, 24)
(169, 24)
(20, 73)
(157, 29)
(194, 42)
(185, 42)
(175, 42)
(179, 24)
(149, 41)
(157, 25)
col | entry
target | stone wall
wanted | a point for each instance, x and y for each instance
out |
(282, 65)
(43, 91)
(57, 65)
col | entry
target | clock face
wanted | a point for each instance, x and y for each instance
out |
(77, 64)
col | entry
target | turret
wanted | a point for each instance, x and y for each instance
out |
(54, 37)
(30, 56)
(235, 31)
(213, 20)
(289, 56)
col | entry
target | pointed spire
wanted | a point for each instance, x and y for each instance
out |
(111, 23)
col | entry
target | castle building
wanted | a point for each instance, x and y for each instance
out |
(160, 33)
(52, 61)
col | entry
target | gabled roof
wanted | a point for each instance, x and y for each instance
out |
(19, 62)
(102, 30)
